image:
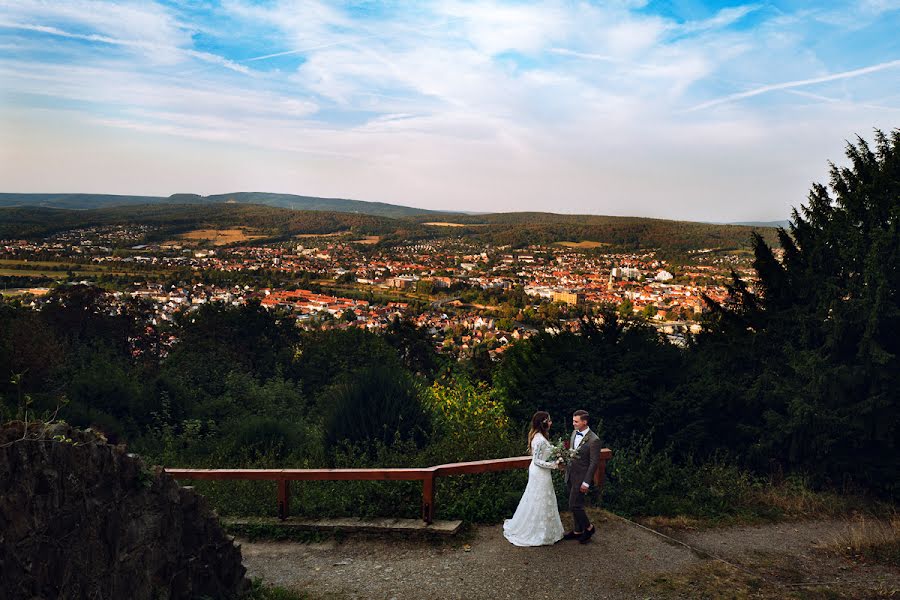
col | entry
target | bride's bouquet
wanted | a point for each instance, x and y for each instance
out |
(560, 452)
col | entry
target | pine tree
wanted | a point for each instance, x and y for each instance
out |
(824, 324)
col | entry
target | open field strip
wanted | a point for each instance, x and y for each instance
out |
(219, 237)
(584, 244)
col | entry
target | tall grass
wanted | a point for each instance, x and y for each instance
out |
(871, 539)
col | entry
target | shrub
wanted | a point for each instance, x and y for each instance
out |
(256, 436)
(463, 409)
(642, 482)
(376, 404)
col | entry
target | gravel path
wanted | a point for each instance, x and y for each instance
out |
(794, 553)
(782, 538)
(618, 563)
(611, 565)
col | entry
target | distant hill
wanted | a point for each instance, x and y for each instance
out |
(672, 238)
(294, 202)
(783, 224)
(171, 219)
(626, 233)
(74, 201)
(291, 201)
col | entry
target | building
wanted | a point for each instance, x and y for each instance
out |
(568, 297)
(403, 282)
(664, 276)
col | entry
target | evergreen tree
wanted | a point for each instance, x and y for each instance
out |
(823, 326)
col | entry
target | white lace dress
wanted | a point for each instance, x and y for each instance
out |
(536, 521)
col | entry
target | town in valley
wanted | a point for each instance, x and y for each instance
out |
(469, 296)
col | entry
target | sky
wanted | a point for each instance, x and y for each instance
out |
(684, 109)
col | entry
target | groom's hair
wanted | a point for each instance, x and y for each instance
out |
(583, 414)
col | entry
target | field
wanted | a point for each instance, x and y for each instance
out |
(219, 237)
(58, 269)
(369, 239)
(49, 268)
(320, 235)
(37, 291)
(444, 224)
(584, 244)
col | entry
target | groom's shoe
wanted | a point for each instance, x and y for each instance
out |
(572, 535)
(586, 536)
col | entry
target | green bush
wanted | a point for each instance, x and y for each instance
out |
(256, 436)
(641, 482)
(375, 405)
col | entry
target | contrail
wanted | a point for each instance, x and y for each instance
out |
(798, 83)
(310, 49)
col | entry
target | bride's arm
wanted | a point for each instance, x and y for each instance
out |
(538, 452)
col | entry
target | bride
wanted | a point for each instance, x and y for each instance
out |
(536, 520)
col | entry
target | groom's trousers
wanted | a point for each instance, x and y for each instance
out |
(576, 505)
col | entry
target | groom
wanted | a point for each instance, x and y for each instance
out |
(580, 474)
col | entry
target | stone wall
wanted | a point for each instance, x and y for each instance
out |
(80, 518)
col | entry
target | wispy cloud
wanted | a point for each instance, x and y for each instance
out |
(151, 48)
(724, 18)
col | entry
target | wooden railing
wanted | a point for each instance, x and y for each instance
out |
(426, 475)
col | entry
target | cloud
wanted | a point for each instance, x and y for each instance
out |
(724, 18)
(150, 48)
(582, 107)
(147, 22)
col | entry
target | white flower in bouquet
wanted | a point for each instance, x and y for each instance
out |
(561, 452)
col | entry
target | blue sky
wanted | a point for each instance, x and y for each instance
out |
(677, 109)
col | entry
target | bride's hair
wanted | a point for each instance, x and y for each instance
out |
(540, 423)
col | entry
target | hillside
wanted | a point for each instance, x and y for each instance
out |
(514, 229)
(295, 202)
(73, 201)
(783, 224)
(169, 219)
(291, 201)
(519, 229)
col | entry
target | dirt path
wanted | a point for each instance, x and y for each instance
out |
(621, 561)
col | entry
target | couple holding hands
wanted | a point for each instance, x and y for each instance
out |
(536, 521)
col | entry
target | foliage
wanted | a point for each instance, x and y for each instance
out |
(256, 436)
(375, 404)
(614, 369)
(261, 591)
(463, 409)
(644, 481)
(821, 367)
(414, 347)
(321, 357)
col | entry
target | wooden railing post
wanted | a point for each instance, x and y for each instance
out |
(600, 475)
(284, 498)
(428, 498)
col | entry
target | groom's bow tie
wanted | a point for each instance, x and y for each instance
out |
(577, 433)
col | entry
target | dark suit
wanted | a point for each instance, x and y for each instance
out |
(581, 470)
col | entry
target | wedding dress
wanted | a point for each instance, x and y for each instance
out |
(536, 520)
